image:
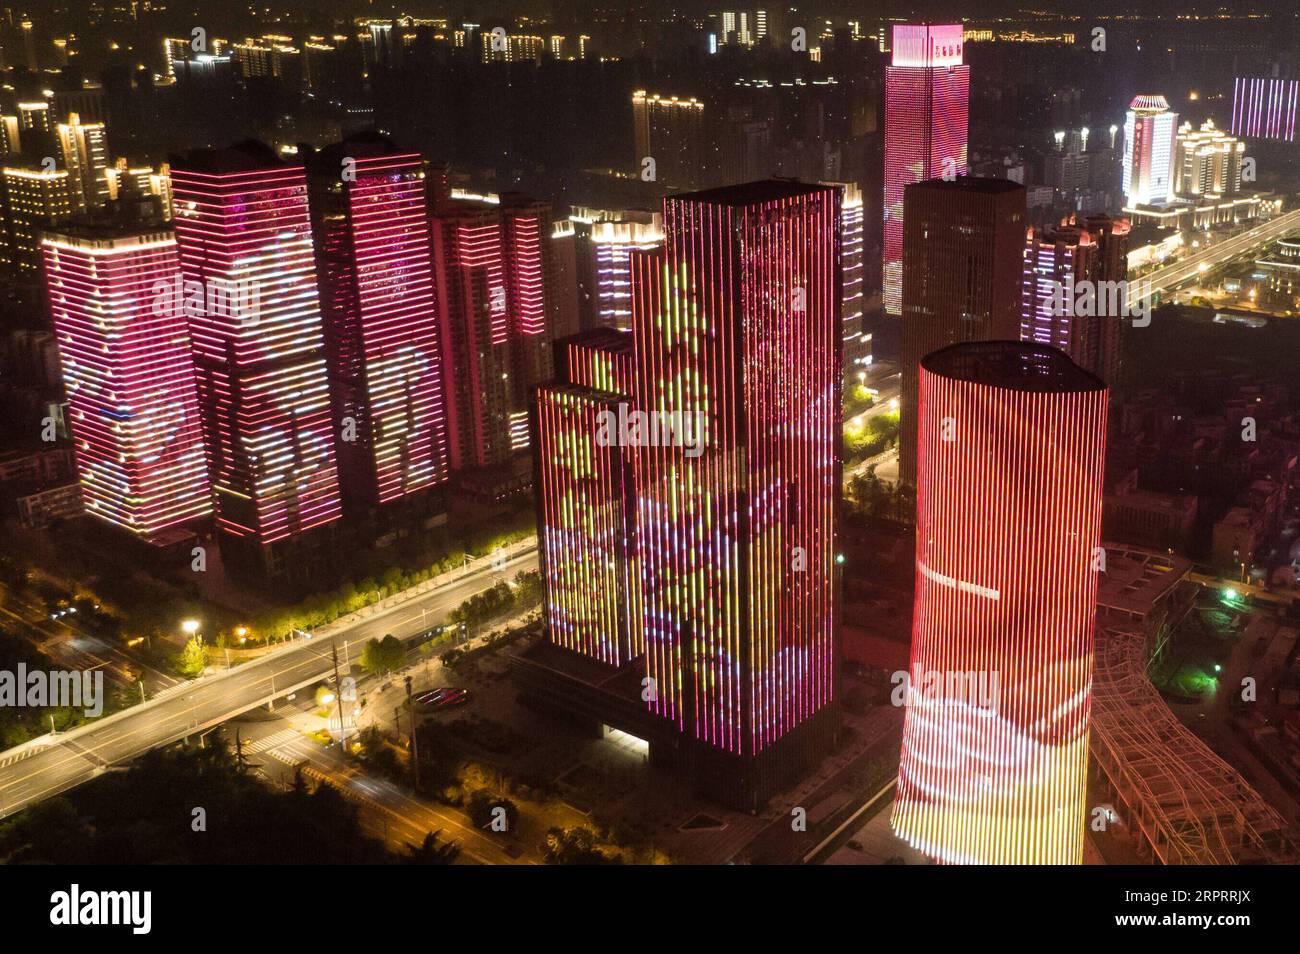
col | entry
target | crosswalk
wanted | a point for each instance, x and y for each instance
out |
(272, 741)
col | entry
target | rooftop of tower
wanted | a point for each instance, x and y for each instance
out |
(1017, 365)
(750, 193)
(247, 156)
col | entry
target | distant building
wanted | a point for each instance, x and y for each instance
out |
(494, 273)
(963, 260)
(671, 132)
(1149, 129)
(927, 94)
(1062, 263)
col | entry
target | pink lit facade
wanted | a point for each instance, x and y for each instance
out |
(381, 331)
(244, 233)
(129, 378)
(927, 95)
(1265, 107)
(737, 328)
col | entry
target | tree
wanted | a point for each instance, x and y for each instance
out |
(481, 806)
(431, 852)
(574, 846)
(191, 660)
(382, 656)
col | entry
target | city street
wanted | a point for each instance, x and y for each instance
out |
(194, 707)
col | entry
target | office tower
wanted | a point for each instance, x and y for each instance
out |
(1265, 107)
(246, 245)
(737, 329)
(34, 116)
(1207, 162)
(963, 257)
(927, 94)
(1149, 151)
(35, 199)
(605, 242)
(670, 131)
(128, 374)
(1079, 261)
(999, 690)
(370, 220)
(586, 501)
(84, 151)
(494, 276)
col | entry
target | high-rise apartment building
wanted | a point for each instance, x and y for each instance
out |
(1082, 260)
(370, 219)
(494, 277)
(670, 133)
(84, 151)
(605, 241)
(927, 96)
(255, 322)
(999, 691)
(35, 199)
(129, 376)
(963, 257)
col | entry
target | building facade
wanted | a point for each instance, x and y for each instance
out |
(995, 737)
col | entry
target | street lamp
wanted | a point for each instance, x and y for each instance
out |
(190, 626)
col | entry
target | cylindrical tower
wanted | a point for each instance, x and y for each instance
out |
(1009, 499)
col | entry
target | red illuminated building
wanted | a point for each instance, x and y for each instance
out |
(246, 250)
(927, 93)
(995, 741)
(128, 375)
(371, 223)
(738, 345)
(494, 274)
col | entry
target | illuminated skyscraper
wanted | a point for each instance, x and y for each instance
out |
(586, 501)
(1009, 501)
(1149, 129)
(371, 224)
(1063, 263)
(963, 259)
(737, 325)
(927, 94)
(129, 376)
(494, 276)
(246, 249)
